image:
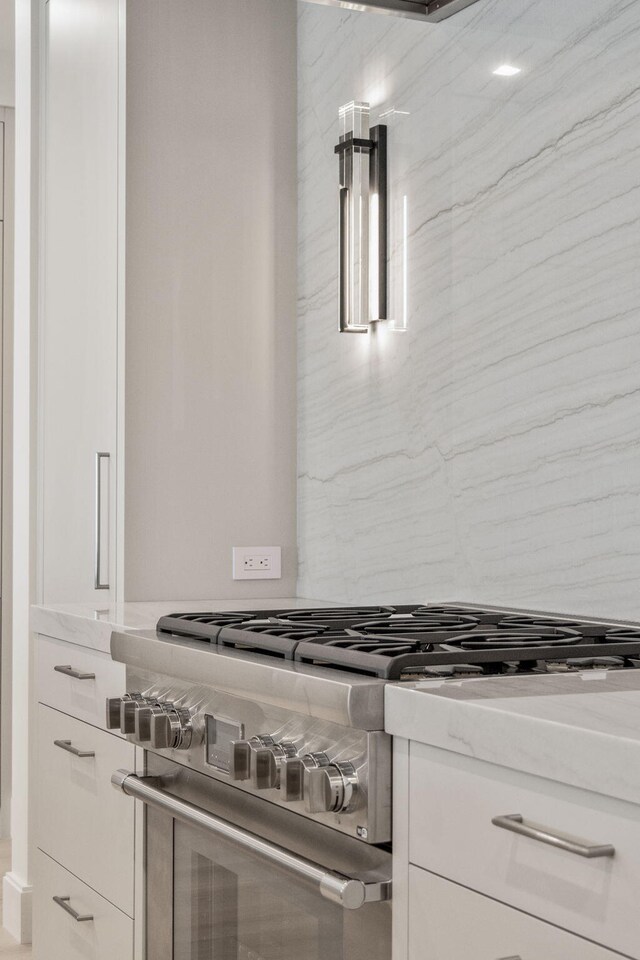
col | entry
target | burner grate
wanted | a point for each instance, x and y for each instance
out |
(395, 641)
(199, 626)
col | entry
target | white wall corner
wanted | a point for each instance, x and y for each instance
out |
(16, 908)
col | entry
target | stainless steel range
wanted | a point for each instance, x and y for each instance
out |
(268, 772)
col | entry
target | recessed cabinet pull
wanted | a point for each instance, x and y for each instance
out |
(68, 746)
(516, 823)
(97, 569)
(70, 671)
(66, 906)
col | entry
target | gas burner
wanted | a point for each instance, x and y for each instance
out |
(503, 639)
(477, 613)
(527, 622)
(335, 614)
(575, 664)
(446, 672)
(410, 625)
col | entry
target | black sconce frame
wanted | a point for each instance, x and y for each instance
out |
(376, 148)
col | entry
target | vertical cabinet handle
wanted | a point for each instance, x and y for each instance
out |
(66, 906)
(97, 580)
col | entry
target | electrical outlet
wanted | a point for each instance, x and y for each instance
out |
(257, 563)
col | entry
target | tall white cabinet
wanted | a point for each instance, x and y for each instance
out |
(168, 306)
(79, 342)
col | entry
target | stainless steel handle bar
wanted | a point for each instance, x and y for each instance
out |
(345, 891)
(68, 746)
(70, 671)
(66, 906)
(516, 823)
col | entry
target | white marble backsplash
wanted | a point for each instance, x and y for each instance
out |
(491, 452)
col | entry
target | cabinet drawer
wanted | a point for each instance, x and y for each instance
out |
(453, 800)
(58, 936)
(82, 822)
(82, 698)
(448, 922)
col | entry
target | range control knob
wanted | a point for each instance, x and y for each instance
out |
(142, 720)
(293, 771)
(116, 710)
(330, 789)
(266, 764)
(242, 755)
(113, 712)
(171, 728)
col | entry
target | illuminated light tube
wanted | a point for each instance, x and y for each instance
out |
(362, 220)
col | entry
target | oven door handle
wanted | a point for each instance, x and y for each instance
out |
(345, 891)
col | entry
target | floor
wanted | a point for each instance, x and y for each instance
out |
(8, 946)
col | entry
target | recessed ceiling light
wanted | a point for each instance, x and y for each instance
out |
(506, 70)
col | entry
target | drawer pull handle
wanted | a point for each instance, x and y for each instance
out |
(69, 671)
(66, 906)
(516, 824)
(68, 746)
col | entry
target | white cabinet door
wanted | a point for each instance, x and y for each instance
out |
(449, 922)
(76, 680)
(82, 822)
(79, 337)
(453, 801)
(59, 935)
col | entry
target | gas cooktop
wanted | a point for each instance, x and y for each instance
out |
(407, 641)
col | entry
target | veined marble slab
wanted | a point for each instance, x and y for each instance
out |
(92, 626)
(490, 447)
(582, 729)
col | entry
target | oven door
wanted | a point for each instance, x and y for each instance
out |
(233, 877)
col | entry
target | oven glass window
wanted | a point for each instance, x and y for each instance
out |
(232, 905)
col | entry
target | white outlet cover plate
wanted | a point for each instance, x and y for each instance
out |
(244, 555)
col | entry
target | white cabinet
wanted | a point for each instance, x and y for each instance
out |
(453, 801)
(449, 922)
(77, 680)
(562, 886)
(84, 829)
(80, 303)
(81, 820)
(160, 120)
(61, 901)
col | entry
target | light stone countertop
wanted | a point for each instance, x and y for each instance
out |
(577, 729)
(91, 626)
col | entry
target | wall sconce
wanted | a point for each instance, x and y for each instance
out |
(363, 219)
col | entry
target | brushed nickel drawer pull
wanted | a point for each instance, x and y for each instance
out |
(515, 822)
(66, 906)
(68, 746)
(70, 671)
(518, 957)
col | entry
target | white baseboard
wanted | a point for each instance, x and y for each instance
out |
(16, 908)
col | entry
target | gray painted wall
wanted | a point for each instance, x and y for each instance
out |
(490, 452)
(210, 311)
(7, 60)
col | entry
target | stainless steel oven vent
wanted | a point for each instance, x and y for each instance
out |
(429, 11)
